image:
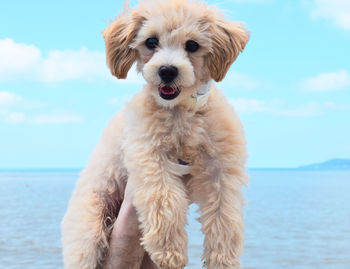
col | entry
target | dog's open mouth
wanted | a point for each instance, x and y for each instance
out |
(168, 93)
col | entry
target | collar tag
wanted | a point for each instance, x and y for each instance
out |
(200, 98)
(180, 168)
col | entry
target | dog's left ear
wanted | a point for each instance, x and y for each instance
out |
(118, 37)
(229, 39)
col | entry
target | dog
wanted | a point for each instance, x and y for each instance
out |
(179, 126)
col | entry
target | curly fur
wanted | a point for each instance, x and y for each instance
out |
(143, 140)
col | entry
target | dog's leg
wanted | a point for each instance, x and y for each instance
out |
(221, 216)
(161, 202)
(95, 203)
(84, 238)
(88, 221)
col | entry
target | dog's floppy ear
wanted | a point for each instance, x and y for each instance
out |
(229, 39)
(118, 37)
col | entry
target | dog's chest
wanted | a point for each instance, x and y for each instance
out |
(183, 137)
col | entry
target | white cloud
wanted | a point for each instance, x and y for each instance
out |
(7, 99)
(243, 105)
(280, 108)
(17, 58)
(10, 103)
(252, 1)
(304, 110)
(21, 61)
(15, 117)
(54, 118)
(26, 62)
(119, 100)
(338, 11)
(240, 81)
(10, 100)
(70, 64)
(327, 82)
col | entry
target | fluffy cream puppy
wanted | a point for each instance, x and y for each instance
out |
(177, 142)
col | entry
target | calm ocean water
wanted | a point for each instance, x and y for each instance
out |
(294, 219)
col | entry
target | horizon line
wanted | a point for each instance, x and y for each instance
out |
(4, 170)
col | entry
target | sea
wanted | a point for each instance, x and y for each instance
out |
(294, 220)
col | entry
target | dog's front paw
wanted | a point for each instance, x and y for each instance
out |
(220, 261)
(169, 259)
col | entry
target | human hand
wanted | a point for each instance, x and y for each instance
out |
(125, 250)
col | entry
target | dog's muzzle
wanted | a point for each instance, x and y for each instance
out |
(168, 74)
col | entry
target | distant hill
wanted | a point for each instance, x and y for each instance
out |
(333, 164)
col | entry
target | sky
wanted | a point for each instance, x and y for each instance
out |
(290, 86)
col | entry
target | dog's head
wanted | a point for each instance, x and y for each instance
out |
(178, 45)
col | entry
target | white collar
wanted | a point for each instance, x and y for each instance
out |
(199, 99)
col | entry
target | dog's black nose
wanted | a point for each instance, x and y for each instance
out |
(168, 73)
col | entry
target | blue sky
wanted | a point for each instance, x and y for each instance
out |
(291, 86)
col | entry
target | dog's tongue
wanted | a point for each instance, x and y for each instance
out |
(167, 90)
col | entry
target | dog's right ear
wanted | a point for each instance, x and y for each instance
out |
(118, 37)
(229, 40)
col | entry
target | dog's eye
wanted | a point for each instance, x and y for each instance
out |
(152, 43)
(192, 46)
